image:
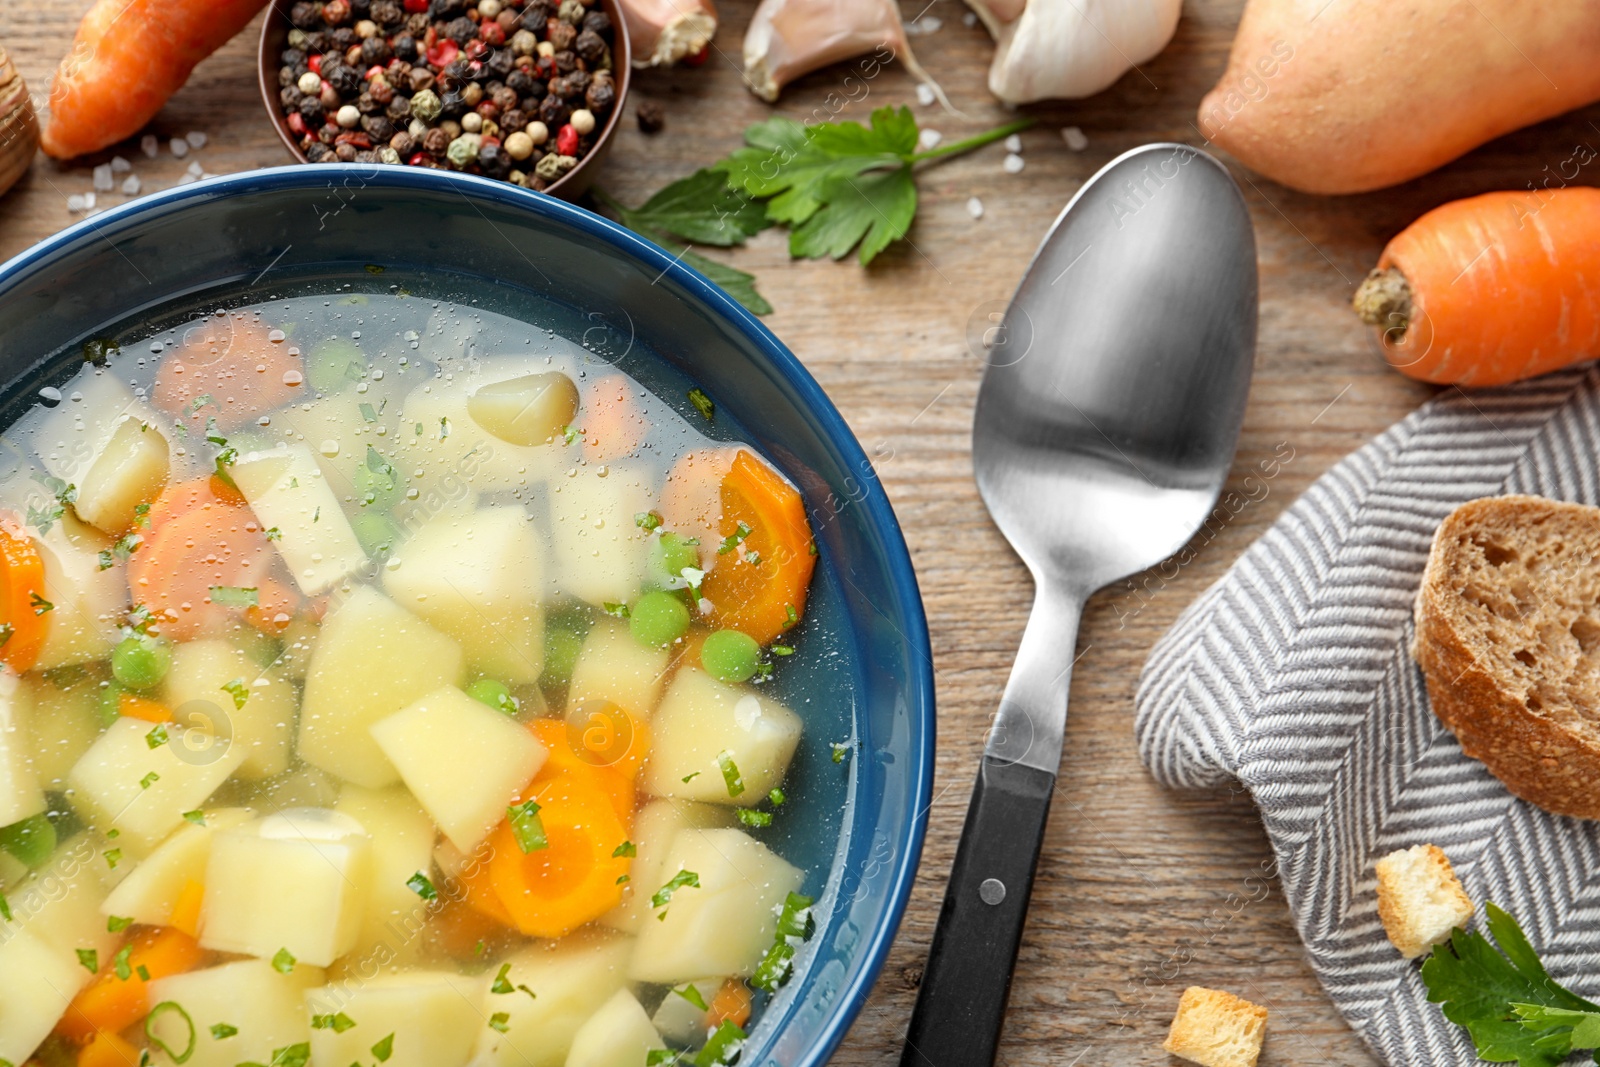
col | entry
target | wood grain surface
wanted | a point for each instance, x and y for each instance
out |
(1141, 891)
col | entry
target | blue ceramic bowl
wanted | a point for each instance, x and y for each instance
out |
(856, 826)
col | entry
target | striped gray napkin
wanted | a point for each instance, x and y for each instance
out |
(1292, 675)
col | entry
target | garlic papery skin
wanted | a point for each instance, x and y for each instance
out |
(996, 14)
(664, 31)
(1075, 48)
(788, 39)
(19, 126)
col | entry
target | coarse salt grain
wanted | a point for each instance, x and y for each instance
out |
(925, 95)
(975, 207)
(75, 203)
(149, 145)
(120, 165)
(130, 185)
(187, 179)
(925, 25)
(969, 19)
(179, 146)
(928, 139)
(195, 138)
(102, 178)
(195, 169)
(1074, 138)
(1013, 164)
(1014, 143)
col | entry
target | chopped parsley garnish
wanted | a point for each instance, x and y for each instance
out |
(658, 1056)
(141, 516)
(444, 427)
(647, 520)
(781, 650)
(691, 776)
(199, 402)
(126, 546)
(384, 1049)
(790, 615)
(500, 1021)
(730, 773)
(115, 924)
(40, 604)
(149, 780)
(283, 961)
(170, 1007)
(621, 878)
(625, 849)
(338, 1022)
(841, 749)
(368, 412)
(702, 403)
(733, 540)
(196, 816)
(292, 1055)
(6, 630)
(113, 857)
(156, 737)
(722, 1046)
(617, 611)
(527, 827)
(234, 596)
(502, 981)
(143, 972)
(45, 517)
(120, 965)
(274, 534)
(236, 689)
(90, 960)
(378, 465)
(682, 879)
(5, 908)
(751, 817)
(223, 1031)
(570, 434)
(794, 927)
(692, 995)
(420, 885)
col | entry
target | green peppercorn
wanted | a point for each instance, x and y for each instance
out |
(426, 105)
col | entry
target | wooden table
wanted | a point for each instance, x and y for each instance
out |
(1141, 891)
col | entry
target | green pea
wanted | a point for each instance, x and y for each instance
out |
(376, 534)
(730, 656)
(376, 489)
(140, 661)
(671, 554)
(335, 364)
(31, 841)
(658, 619)
(563, 640)
(494, 693)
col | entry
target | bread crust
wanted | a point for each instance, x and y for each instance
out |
(1537, 758)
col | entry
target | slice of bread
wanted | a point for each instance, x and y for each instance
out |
(1420, 899)
(1216, 1029)
(1508, 637)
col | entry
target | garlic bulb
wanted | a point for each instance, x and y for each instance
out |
(665, 31)
(19, 128)
(791, 38)
(1073, 48)
(996, 13)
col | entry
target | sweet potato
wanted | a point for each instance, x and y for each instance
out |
(1343, 96)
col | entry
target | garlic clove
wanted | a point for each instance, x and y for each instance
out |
(788, 39)
(663, 32)
(19, 127)
(997, 14)
(1065, 49)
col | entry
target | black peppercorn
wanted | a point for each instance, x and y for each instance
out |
(499, 63)
(651, 116)
(577, 82)
(343, 37)
(405, 47)
(494, 161)
(380, 91)
(601, 95)
(514, 119)
(520, 82)
(305, 15)
(286, 76)
(445, 9)
(403, 143)
(399, 109)
(417, 24)
(366, 105)
(292, 58)
(566, 61)
(435, 141)
(310, 110)
(387, 13)
(504, 98)
(329, 133)
(375, 51)
(452, 105)
(597, 22)
(317, 152)
(362, 8)
(345, 79)
(378, 127)
(553, 112)
(460, 70)
(461, 30)
(590, 45)
(290, 96)
(420, 78)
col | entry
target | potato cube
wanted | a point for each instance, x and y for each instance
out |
(372, 659)
(266, 1007)
(600, 551)
(620, 1034)
(613, 666)
(86, 599)
(63, 720)
(142, 792)
(654, 829)
(37, 982)
(286, 490)
(678, 1018)
(20, 792)
(463, 761)
(433, 1015)
(204, 687)
(151, 890)
(478, 577)
(702, 725)
(570, 979)
(402, 844)
(726, 924)
(455, 452)
(130, 470)
(69, 438)
(60, 903)
(297, 880)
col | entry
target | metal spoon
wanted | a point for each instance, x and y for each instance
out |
(1105, 428)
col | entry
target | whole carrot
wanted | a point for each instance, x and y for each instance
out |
(1491, 289)
(129, 56)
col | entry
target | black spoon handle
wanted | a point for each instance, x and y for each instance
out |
(962, 1002)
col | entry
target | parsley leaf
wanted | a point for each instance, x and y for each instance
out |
(702, 208)
(236, 689)
(422, 886)
(526, 827)
(283, 961)
(1498, 997)
(663, 896)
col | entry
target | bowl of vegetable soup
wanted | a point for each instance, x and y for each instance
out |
(438, 628)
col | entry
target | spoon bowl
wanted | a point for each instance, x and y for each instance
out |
(1105, 428)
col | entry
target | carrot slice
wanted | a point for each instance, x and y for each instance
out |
(107, 1050)
(732, 1003)
(615, 779)
(186, 909)
(758, 584)
(478, 884)
(552, 891)
(228, 369)
(130, 706)
(612, 423)
(198, 540)
(111, 1003)
(21, 587)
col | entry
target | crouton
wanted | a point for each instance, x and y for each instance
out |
(1420, 899)
(1216, 1029)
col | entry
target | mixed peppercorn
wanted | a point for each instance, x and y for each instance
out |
(510, 89)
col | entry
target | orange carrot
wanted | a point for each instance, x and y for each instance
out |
(569, 750)
(130, 706)
(612, 424)
(1491, 289)
(732, 1003)
(107, 1050)
(129, 56)
(197, 540)
(691, 497)
(186, 909)
(111, 1003)
(21, 587)
(228, 369)
(764, 562)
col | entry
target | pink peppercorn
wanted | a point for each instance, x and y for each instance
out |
(416, 7)
(315, 63)
(492, 33)
(417, 158)
(443, 54)
(297, 123)
(567, 140)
